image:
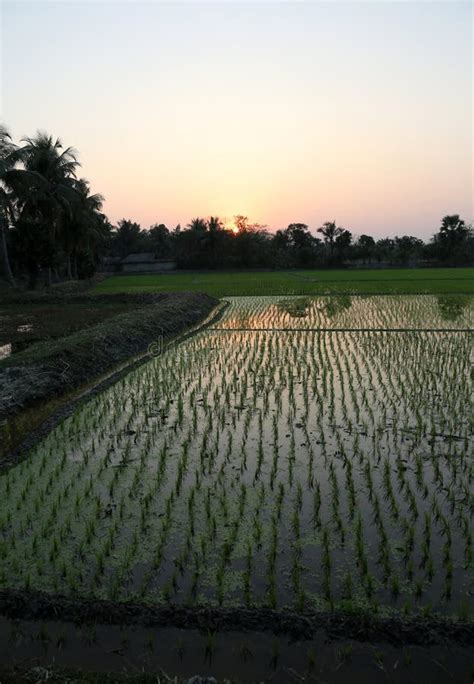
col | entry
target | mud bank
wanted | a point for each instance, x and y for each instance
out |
(368, 627)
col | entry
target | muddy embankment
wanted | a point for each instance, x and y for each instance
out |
(367, 626)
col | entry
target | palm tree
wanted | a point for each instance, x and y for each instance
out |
(43, 155)
(15, 182)
(81, 227)
(8, 160)
(336, 240)
(453, 229)
(198, 224)
(215, 234)
(214, 224)
(91, 225)
(42, 212)
(330, 232)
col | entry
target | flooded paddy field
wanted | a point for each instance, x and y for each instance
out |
(305, 454)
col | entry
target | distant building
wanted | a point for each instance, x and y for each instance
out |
(110, 264)
(146, 262)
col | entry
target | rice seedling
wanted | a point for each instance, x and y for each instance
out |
(210, 646)
(344, 654)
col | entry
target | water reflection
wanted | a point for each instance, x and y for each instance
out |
(296, 308)
(336, 305)
(301, 307)
(5, 351)
(405, 312)
(26, 328)
(452, 307)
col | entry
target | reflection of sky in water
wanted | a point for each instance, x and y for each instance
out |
(356, 312)
(453, 308)
(5, 350)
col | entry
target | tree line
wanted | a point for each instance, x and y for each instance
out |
(207, 243)
(52, 227)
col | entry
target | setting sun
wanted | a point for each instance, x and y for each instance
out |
(229, 224)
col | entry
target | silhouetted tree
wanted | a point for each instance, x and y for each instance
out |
(407, 249)
(215, 244)
(160, 240)
(330, 232)
(127, 238)
(454, 242)
(453, 230)
(42, 211)
(82, 226)
(342, 245)
(198, 225)
(337, 241)
(384, 250)
(8, 161)
(300, 243)
(365, 248)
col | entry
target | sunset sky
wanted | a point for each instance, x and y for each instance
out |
(282, 111)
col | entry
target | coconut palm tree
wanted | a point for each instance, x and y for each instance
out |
(16, 183)
(214, 224)
(215, 237)
(8, 160)
(46, 156)
(336, 240)
(44, 209)
(198, 224)
(453, 229)
(330, 232)
(82, 227)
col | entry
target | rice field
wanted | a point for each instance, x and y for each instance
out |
(330, 281)
(305, 453)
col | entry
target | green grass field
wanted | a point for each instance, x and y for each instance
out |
(228, 283)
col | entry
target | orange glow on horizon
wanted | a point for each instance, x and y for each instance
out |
(229, 224)
(306, 135)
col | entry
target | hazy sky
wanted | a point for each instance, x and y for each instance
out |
(283, 111)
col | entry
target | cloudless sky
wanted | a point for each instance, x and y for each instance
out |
(282, 111)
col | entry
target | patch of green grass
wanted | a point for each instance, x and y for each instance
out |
(370, 281)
